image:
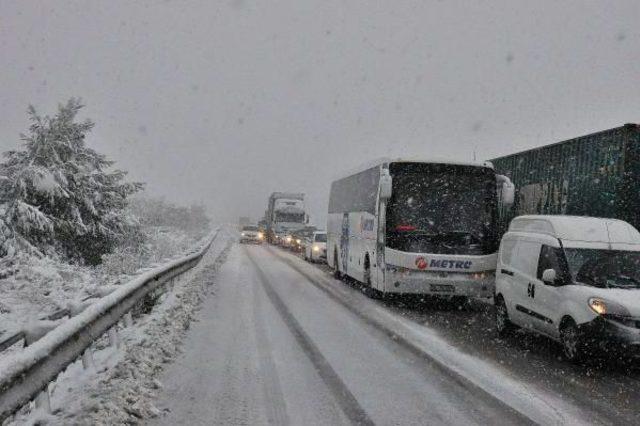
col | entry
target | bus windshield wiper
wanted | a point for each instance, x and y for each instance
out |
(460, 233)
(417, 231)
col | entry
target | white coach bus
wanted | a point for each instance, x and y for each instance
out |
(405, 226)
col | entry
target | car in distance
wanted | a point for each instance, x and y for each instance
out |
(286, 240)
(574, 279)
(316, 248)
(298, 240)
(302, 238)
(251, 234)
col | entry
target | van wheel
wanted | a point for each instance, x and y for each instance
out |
(572, 342)
(504, 326)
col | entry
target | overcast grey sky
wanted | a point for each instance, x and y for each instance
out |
(224, 102)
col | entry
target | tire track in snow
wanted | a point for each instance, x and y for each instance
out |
(275, 402)
(346, 400)
(515, 415)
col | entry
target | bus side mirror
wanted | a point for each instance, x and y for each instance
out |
(385, 185)
(506, 190)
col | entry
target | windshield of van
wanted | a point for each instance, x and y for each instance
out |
(250, 228)
(604, 268)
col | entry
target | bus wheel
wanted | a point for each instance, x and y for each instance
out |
(336, 269)
(367, 271)
(371, 292)
(459, 302)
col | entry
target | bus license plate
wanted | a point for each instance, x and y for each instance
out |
(442, 288)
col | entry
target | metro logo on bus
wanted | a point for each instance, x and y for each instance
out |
(421, 263)
(450, 264)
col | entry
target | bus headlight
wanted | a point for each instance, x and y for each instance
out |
(316, 248)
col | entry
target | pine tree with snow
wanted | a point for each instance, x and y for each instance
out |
(59, 196)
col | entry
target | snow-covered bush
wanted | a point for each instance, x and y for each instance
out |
(59, 196)
(165, 230)
(158, 213)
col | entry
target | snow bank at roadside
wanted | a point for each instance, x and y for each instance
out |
(124, 383)
(33, 287)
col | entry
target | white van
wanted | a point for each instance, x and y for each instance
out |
(574, 279)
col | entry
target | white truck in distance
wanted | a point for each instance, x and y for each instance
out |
(285, 214)
(574, 279)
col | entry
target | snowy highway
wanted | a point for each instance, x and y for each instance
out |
(279, 341)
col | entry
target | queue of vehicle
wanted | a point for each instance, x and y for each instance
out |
(433, 227)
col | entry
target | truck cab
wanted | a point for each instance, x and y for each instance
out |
(574, 279)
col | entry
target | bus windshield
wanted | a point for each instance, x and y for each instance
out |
(442, 209)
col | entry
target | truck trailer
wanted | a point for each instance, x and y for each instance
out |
(593, 175)
(285, 214)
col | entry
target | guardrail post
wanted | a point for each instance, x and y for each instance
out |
(43, 402)
(113, 337)
(87, 360)
(128, 319)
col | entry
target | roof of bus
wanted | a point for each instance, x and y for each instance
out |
(385, 160)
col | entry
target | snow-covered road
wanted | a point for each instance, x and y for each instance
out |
(276, 345)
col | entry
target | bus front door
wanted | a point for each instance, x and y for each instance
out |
(344, 242)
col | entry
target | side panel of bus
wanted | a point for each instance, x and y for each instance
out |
(352, 225)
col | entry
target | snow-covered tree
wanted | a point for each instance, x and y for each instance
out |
(59, 196)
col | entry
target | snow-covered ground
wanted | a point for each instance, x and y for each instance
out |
(279, 341)
(36, 287)
(122, 386)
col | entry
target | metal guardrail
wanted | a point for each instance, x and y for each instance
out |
(25, 374)
(11, 340)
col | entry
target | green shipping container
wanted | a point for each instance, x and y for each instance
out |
(593, 175)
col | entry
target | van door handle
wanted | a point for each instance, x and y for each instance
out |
(506, 272)
(531, 291)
